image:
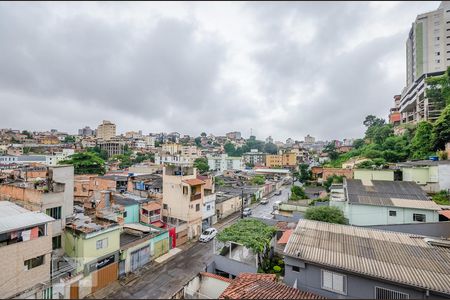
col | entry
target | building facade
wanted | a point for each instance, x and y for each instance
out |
(106, 130)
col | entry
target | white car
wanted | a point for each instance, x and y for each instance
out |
(247, 212)
(264, 201)
(208, 235)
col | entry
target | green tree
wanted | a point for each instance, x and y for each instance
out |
(333, 179)
(201, 164)
(100, 152)
(69, 139)
(258, 180)
(305, 174)
(297, 193)
(422, 142)
(331, 150)
(438, 90)
(329, 214)
(358, 143)
(442, 198)
(441, 130)
(86, 163)
(271, 148)
(28, 134)
(198, 141)
(203, 134)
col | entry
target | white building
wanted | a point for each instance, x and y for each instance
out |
(106, 130)
(427, 54)
(178, 159)
(223, 162)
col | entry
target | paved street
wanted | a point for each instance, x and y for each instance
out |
(264, 211)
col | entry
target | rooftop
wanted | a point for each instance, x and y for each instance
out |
(397, 257)
(14, 217)
(262, 286)
(388, 193)
(194, 181)
(423, 163)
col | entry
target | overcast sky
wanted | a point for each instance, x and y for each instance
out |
(282, 69)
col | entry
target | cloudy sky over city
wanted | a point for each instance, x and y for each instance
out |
(282, 69)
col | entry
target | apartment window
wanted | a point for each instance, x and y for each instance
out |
(382, 293)
(208, 207)
(197, 207)
(125, 213)
(438, 53)
(334, 282)
(102, 244)
(295, 269)
(185, 190)
(392, 213)
(165, 206)
(54, 212)
(34, 262)
(56, 242)
(419, 217)
(438, 61)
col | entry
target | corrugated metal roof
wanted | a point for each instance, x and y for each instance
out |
(398, 257)
(14, 217)
(388, 193)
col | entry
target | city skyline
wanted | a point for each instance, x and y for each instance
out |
(163, 67)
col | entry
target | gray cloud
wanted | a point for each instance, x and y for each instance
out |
(65, 70)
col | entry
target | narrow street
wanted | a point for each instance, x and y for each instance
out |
(264, 211)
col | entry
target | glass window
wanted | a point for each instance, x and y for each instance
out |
(392, 213)
(56, 242)
(419, 217)
(295, 269)
(34, 262)
(334, 282)
(197, 207)
(54, 212)
(102, 244)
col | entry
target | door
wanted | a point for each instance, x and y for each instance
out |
(74, 291)
(139, 258)
(122, 268)
(104, 276)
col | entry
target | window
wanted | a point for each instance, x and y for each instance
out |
(392, 213)
(165, 206)
(334, 282)
(295, 269)
(382, 293)
(54, 212)
(208, 207)
(125, 214)
(438, 53)
(102, 244)
(197, 207)
(419, 217)
(34, 262)
(185, 190)
(56, 242)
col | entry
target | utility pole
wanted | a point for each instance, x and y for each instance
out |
(242, 206)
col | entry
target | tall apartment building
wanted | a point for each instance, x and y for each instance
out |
(427, 55)
(86, 131)
(394, 113)
(310, 139)
(106, 130)
(223, 162)
(254, 157)
(112, 147)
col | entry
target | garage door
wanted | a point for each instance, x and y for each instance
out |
(139, 258)
(161, 247)
(104, 276)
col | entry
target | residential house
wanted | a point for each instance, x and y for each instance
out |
(289, 160)
(139, 245)
(379, 202)
(274, 160)
(25, 252)
(94, 243)
(227, 203)
(349, 262)
(182, 201)
(150, 213)
(209, 205)
(145, 185)
(432, 176)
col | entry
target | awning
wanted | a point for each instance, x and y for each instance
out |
(285, 237)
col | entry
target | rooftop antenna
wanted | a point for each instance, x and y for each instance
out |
(251, 131)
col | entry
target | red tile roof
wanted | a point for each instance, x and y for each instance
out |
(150, 206)
(262, 286)
(285, 237)
(194, 181)
(216, 277)
(445, 213)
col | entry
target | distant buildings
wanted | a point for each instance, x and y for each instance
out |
(234, 135)
(254, 158)
(309, 139)
(222, 162)
(86, 131)
(106, 130)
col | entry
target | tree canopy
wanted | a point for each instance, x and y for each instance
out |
(201, 164)
(258, 180)
(329, 214)
(253, 234)
(86, 163)
(441, 130)
(297, 193)
(422, 142)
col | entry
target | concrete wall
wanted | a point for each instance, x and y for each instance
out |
(231, 266)
(309, 279)
(204, 287)
(365, 174)
(364, 215)
(229, 206)
(132, 214)
(444, 176)
(65, 174)
(14, 278)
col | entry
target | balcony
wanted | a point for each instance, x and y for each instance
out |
(197, 196)
(155, 218)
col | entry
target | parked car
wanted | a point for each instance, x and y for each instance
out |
(276, 205)
(247, 212)
(208, 235)
(264, 201)
(278, 193)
